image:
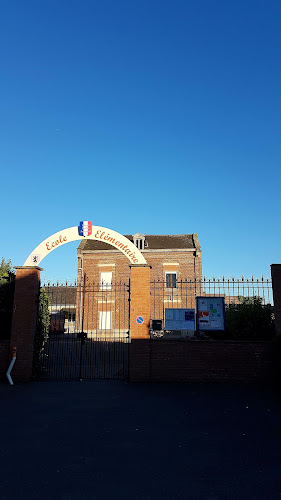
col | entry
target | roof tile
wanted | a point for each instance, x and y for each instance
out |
(152, 241)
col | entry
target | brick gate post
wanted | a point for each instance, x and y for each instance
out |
(24, 320)
(139, 351)
(276, 286)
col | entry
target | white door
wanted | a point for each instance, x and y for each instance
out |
(105, 320)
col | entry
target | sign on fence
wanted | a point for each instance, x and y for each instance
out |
(210, 313)
(179, 319)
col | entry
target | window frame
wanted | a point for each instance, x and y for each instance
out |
(172, 281)
(139, 241)
(105, 319)
(105, 285)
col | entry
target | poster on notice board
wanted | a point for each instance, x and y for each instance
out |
(210, 314)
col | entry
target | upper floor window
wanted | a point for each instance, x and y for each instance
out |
(171, 280)
(139, 244)
(106, 280)
(139, 241)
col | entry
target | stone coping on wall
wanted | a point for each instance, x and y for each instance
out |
(29, 267)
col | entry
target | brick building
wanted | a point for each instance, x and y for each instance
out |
(102, 269)
(170, 257)
(62, 308)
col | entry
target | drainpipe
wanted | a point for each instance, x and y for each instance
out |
(11, 366)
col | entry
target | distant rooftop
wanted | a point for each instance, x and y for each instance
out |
(61, 295)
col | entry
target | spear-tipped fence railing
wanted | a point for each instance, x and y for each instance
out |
(248, 301)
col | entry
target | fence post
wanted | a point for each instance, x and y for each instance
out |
(139, 352)
(24, 320)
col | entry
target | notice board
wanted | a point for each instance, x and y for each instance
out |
(179, 319)
(210, 314)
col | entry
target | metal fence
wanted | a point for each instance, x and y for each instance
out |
(89, 323)
(88, 331)
(98, 309)
(248, 301)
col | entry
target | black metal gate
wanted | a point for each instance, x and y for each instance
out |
(88, 333)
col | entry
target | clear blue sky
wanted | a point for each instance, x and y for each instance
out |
(160, 117)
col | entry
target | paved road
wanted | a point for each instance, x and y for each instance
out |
(111, 440)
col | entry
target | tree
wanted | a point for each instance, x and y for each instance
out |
(7, 273)
(7, 288)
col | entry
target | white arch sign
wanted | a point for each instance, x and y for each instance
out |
(85, 230)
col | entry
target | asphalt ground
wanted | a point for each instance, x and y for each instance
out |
(112, 440)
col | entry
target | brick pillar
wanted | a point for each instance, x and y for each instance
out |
(139, 354)
(276, 286)
(24, 320)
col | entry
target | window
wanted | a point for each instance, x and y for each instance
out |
(139, 244)
(139, 240)
(105, 320)
(171, 280)
(106, 280)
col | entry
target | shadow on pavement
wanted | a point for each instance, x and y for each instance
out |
(111, 440)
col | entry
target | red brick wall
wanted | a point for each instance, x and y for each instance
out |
(139, 359)
(140, 302)
(24, 320)
(188, 265)
(187, 361)
(206, 361)
(276, 285)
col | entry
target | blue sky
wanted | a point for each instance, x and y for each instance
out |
(160, 117)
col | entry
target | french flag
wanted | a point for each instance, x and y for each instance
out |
(85, 228)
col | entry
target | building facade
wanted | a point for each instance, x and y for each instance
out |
(171, 257)
(103, 272)
(62, 308)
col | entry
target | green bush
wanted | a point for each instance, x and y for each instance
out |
(249, 320)
(7, 289)
(42, 330)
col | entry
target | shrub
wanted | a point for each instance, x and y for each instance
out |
(42, 330)
(7, 288)
(249, 320)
